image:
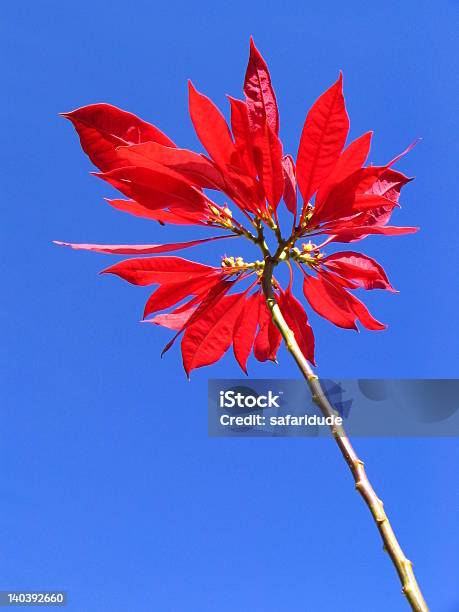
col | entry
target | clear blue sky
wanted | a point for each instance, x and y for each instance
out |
(110, 487)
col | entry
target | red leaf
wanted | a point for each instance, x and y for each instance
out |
(154, 189)
(329, 302)
(204, 304)
(359, 268)
(245, 329)
(364, 316)
(261, 100)
(289, 183)
(207, 340)
(103, 127)
(175, 216)
(343, 203)
(211, 128)
(350, 160)
(323, 137)
(150, 270)
(173, 320)
(360, 186)
(263, 120)
(268, 160)
(268, 339)
(133, 249)
(358, 233)
(389, 185)
(335, 304)
(171, 293)
(193, 167)
(242, 136)
(297, 320)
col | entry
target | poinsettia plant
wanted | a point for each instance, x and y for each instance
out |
(242, 303)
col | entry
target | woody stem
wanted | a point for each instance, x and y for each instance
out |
(404, 567)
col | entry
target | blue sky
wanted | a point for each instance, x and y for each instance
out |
(111, 488)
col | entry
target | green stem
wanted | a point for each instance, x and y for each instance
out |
(404, 567)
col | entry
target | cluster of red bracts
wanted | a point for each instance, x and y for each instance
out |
(342, 199)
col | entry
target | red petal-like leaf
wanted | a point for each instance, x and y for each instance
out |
(359, 268)
(268, 160)
(173, 320)
(154, 189)
(204, 304)
(261, 100)
(297, 320)
(207, 340)
(193, 167)
(268, 339)
(245, 329)
(347, 205)
(242, 136)
(150, 270)
(171, 293)
(329, 302)
(289, 183)
(175, 216)
(322, 140)
(364, 316)
(334, 303)
(389, 185)
(358, 233)
(350, 160)
(211, 128)
(103, 127)
(343, 199)
(138, 249)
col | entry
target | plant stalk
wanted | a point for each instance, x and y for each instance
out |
(404, 566)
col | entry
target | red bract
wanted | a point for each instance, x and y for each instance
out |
(342, 199)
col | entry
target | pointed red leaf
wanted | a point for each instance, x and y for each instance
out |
(289, 183)
(389, 185)
(359, 268)
(175, 216)
(200, 305)
(341, 204)
(344, 197)
(245, 329)
(268, 339)
(334, 303)
(358, 233)
(193, 167)
(171, 293)
(207, 340)
(268, 160)
(364, 316)
(139, 249)
(297, 320)
(242, 135)
(172, 320)
(103, 127)
(350, 160)
(322, 140)
(261, 100)
(154, 189)
(329, 302)
(150, 270)
(211, 128)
